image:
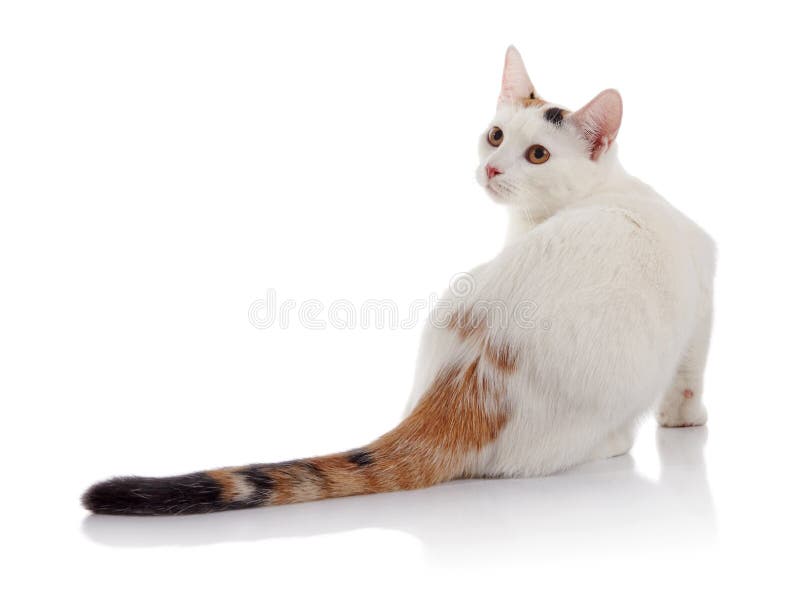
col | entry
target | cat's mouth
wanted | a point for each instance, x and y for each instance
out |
(498, 190)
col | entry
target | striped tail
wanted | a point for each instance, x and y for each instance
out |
(463, 410)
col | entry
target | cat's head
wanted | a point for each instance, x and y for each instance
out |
(536, 155)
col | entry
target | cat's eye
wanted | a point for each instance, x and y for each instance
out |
(495, 137)
(537, 154)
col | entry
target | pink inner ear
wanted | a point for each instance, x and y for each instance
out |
(599, 121)
(516, 83)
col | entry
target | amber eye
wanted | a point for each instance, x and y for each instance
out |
(495, 137)
(537, 154)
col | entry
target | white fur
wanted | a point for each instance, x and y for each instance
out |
(623, 279)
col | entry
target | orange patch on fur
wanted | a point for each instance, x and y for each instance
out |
(466, 323)
(501, 356)
(537, 102)
(227, 481)
(688, 394)
(470, 325)
(461, 412)
(342, 477)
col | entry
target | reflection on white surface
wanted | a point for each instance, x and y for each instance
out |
(602, 506)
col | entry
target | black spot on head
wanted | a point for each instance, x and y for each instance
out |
(554, 115)
(533, 96)
(362, 458)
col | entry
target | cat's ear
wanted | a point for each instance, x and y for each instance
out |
(516, 85)
(599, 121)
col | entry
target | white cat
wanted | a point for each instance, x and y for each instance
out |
(619, 283)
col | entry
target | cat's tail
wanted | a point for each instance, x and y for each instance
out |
(440, 440)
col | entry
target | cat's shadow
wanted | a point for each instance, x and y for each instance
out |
(598, 506)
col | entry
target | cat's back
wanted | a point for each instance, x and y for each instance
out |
(594, 295)
(641, 252)
(589, 255)
(610, 294)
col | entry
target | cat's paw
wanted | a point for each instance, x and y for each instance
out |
(682, 408)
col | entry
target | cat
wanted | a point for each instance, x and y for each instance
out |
(624, 279)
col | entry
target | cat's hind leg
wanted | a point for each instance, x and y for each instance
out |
(682, 405)
(619, 442)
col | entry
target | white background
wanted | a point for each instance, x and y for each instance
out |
(164, 164)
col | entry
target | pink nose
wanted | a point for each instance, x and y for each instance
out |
(492, 171)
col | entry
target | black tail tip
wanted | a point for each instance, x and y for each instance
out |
(118, 496)
(186, 494)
